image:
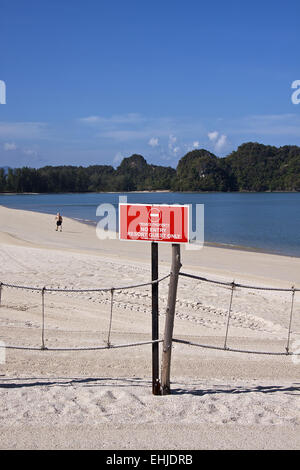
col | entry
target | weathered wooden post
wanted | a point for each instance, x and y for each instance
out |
(169, 323)
(158, 223)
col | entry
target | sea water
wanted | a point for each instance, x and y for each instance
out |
(261, 221)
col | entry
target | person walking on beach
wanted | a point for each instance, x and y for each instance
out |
(59, 221)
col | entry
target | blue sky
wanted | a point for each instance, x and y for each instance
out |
(93, 81)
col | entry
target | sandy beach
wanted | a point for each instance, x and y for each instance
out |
(102, 399)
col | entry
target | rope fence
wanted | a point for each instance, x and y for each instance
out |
(236, 284)
(219, 348)
(112, 290)
(90, 348)
(233, 285)
(103, 289)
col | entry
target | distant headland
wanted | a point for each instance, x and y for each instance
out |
(252, 167)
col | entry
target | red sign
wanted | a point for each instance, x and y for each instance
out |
(160, 223)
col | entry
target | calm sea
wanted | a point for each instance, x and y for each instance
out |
(263, 221)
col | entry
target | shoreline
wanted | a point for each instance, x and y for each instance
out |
(226, 246)
(152, 191)
(37, 230)
(206, 243)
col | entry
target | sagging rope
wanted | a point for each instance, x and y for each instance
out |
(244, 286)
(220, 348)
(103, 289)
(112, 290)
(233, 286)
(88, 348)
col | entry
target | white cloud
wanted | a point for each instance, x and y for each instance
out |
(194, 145)
(155, 132)
(287, 125)
(172, 144)
(30, 152)
(213, 135)
(172, 140)
(9, 146)
(118, 158)
(129, 118)
(22, 130)
(153, 142)
(126, 127)
(124, 135)
(90, 119)
(221, 143)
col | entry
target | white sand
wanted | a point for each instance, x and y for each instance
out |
(103, 399)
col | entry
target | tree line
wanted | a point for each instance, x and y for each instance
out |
(252, 167)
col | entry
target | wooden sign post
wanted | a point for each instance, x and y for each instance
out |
(158, 223)
(169, 323)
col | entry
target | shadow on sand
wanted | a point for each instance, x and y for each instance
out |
(184, 389)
